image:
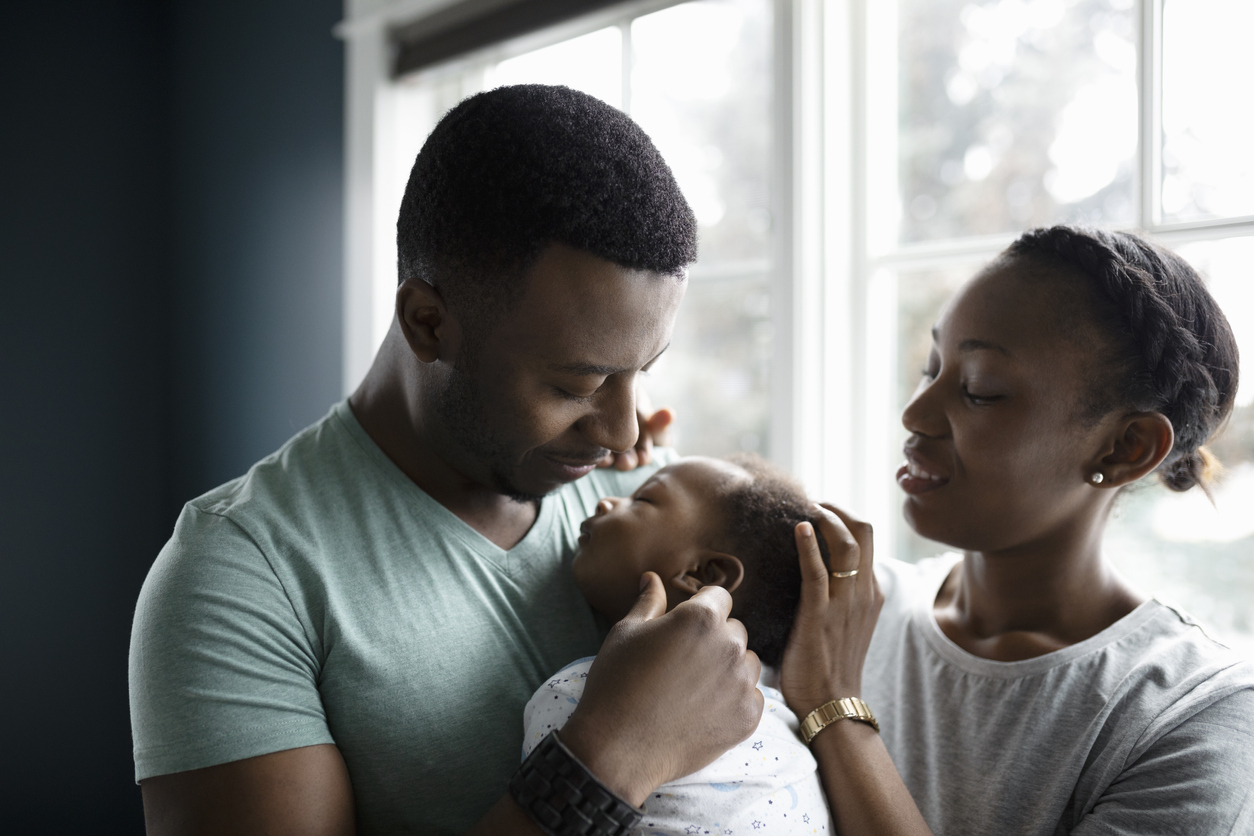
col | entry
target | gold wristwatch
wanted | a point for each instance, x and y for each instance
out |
(848, 708)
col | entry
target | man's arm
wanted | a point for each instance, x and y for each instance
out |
(302, 792)
(668, 693)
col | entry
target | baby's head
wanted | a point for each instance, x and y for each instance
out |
(702, 522)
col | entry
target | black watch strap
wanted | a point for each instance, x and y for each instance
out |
(565, 799)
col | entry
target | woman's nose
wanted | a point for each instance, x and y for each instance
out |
(923, 415)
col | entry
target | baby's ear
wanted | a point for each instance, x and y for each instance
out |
(712, 569)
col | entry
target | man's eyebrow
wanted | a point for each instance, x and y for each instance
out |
(595, 370)
(974, 344)
(585, 369)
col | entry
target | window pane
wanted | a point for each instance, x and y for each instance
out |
(716, 374)
(1173, 545)
(1208, 70)
(701, 88)
(592, 63)
(1014, 114)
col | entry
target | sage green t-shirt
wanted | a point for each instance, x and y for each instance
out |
(324, 598)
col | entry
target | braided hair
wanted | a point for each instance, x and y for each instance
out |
(1169, 347)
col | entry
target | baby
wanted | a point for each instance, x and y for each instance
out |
(695, 523)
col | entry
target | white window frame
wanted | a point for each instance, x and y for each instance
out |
(833, 371)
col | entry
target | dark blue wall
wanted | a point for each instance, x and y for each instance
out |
(170, 225)
(258, 173)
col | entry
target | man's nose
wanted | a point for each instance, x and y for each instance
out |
(613, 425)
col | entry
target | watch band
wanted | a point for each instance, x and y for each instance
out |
(848, 708)
(565, 799)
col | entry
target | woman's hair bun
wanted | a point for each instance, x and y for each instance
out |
(1172, 349)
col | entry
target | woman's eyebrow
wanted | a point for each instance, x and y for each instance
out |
(982, 345)
(974, 344)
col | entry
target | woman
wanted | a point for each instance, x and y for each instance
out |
(1025, 687)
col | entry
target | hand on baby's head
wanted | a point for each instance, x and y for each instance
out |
(702, 522)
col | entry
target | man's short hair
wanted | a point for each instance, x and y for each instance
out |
(508, 172)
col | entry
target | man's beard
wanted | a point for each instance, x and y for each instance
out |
(465, 420)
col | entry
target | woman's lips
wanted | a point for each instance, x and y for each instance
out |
(914, 479)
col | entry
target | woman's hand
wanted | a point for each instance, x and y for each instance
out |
(837, 615)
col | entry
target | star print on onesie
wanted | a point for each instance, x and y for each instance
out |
(768, 783)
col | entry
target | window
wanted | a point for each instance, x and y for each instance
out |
(851, 163)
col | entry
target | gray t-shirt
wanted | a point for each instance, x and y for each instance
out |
(324, 598)
(1145, 728)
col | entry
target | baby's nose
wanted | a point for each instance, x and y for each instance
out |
(604, 507)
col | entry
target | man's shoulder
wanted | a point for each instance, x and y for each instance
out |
(313, 457)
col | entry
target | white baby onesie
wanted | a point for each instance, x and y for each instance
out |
(768, 783)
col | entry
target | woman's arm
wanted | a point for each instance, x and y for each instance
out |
(823, 662)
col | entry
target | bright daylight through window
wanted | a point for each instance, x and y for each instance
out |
(968, 121)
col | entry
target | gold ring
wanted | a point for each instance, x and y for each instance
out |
(848, 574)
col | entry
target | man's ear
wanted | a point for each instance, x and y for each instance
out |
(712, 569)
(1139, 444)
(425, 321)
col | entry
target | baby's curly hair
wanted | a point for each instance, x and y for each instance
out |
(507, 172)
(759, 517)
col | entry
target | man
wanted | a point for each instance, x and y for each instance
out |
(343, 640)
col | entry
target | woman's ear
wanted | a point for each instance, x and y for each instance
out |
(1141, 441)
(712, 569)
(425, 321)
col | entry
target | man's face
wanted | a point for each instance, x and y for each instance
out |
(542, 396)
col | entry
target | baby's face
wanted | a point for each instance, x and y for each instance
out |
(663, 527)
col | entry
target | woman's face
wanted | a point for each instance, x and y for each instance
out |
(997, 456)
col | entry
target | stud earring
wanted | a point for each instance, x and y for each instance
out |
(1097, 478)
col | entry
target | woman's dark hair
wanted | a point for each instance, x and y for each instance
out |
(759, 517)
(1171, 349)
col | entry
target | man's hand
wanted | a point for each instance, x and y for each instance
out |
(652, 432)
(667, 694)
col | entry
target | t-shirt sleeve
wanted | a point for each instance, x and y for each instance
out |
(1197, 778)
(220, 667)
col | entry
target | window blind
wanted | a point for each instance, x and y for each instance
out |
(475, 24)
